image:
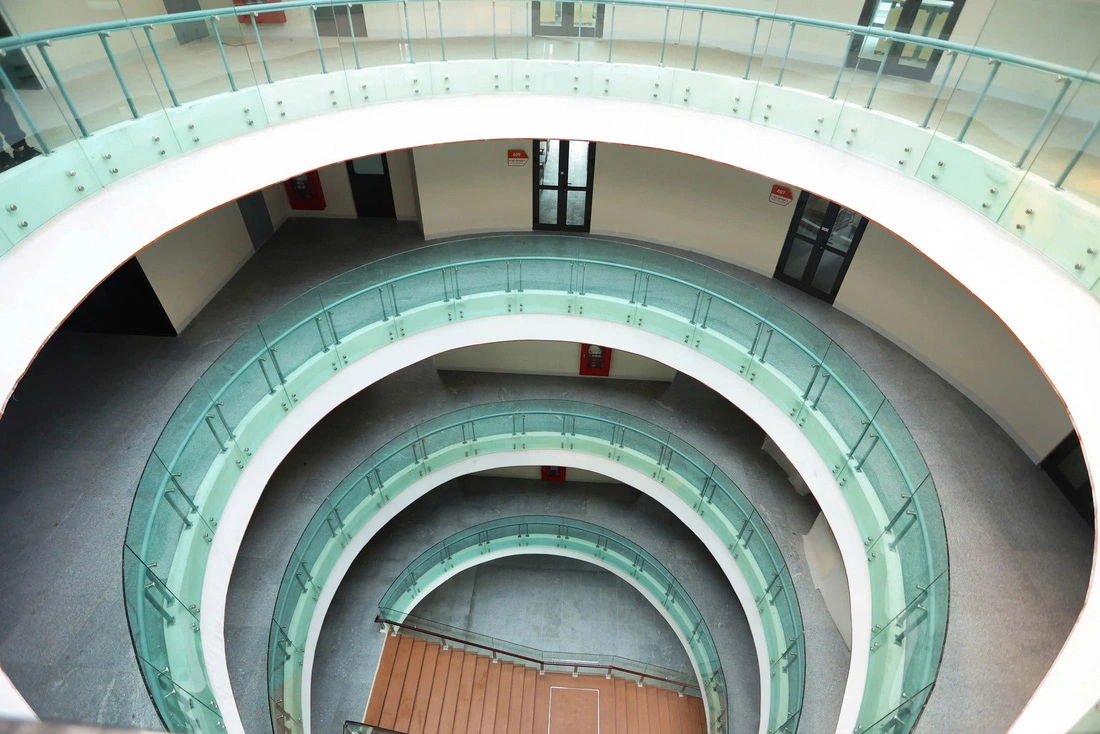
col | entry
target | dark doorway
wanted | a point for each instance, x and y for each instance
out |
(370, 187)
(1066, 467)
(929, 18)
(191, 30)
(821, 241)
(576, 20)
(341, 22)
(124, 303)
(563, 185)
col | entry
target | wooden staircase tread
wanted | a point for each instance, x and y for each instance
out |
(620, 705)
(527, 715)
(439, 690)
(504, 698)
(381, 681)
(465, 692)
(477, 696)
(409, 687)
(631, 697)
(515, 705)
(424, 690)
(397, 680)
(541, 713)
(450, 698)
(492, 687)
(643, 711)
(653, 710)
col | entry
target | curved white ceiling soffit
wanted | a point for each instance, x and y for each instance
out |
(1030, 294)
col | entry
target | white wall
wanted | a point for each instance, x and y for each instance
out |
(470, 187)
(693, 203)
(898, 291)
(547, 358)
(189, 265)
(403, 185)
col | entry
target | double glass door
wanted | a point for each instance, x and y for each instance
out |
(820, 244)
(578, 20)
(930, 18)
(563, 184)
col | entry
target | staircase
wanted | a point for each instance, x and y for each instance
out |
(422, 688)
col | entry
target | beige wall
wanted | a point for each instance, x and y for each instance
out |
(278, 204)
(189, 265)
(901, 293)
(403, 184)
(469, 187)
(546, 358)
(690, 202)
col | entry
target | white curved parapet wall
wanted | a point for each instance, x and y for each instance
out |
(1025, 289)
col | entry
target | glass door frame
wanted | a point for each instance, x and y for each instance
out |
(568, 27)
(563, 188)
(909, 11)
(818, 247)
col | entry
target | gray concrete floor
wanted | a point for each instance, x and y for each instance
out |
(83, 421)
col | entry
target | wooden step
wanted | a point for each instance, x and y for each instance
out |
(504, 698)
(397, 680)
(541, 718)
(477, 696)
(409, 687)
(439, 690)
(515, 705)
(450, 697)
(620, 705)
(630, 704)
(492, 686)
(641, 704)
(527, 715)
(699, 714)
(424, 690)
(381, 681)
(465, 692)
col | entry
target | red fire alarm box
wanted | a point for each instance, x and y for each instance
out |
(595, 360)
(305, 192)
(553, 473)
(273, 16)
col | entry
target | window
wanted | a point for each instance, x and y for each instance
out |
(930, 18)
(577, 20)
(563, 185)
(820, 244)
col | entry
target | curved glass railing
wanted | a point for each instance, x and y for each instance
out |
(528, 425)
(246, 392)
(1017, 139)
(551, 535)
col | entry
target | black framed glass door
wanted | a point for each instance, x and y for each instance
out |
(821, 242)
(931, 18)
(563, 184)
(578, 20)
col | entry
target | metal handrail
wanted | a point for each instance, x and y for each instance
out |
(47, 36)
